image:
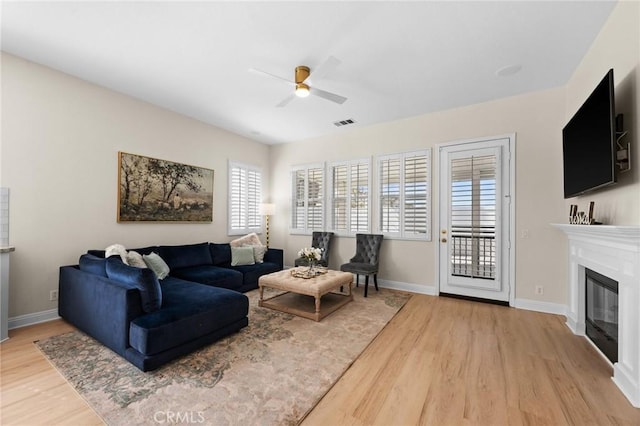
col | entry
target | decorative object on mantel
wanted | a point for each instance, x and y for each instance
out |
(152, 190)
(581, 218)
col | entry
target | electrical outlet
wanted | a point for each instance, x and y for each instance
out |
(539, 289)
(524, 233)
(53, 295)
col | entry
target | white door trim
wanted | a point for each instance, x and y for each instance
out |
(512, 208)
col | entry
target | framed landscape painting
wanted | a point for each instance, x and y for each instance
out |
(152, 190)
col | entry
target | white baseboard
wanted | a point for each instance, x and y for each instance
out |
(412, 288)
(538, 306)
(431, 290)
(31, 319)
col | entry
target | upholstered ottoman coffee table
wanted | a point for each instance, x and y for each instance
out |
(302, 295)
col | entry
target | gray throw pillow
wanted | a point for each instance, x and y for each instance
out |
(242, 256)
(157, 265)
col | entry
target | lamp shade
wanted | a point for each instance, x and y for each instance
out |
(267, 209)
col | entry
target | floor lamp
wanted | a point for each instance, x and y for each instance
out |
(266, 210)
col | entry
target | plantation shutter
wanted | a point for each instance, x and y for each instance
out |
(404, 195)
(415, 195)
(254, 196)
(359, 198)
(307, 199)
(237, 213)
(339, 198)
(473, 216)
(245, 193)
(390, 195)
(315, 190)
(299, 200)
(349, 197)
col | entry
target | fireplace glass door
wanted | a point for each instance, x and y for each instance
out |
(602, 313)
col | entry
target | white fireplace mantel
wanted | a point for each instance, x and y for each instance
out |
(613, 251)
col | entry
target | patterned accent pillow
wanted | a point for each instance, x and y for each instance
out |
(249, 239)
(258, 252)
(135, 259)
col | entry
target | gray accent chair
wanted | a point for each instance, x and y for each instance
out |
(321, 240)
(365, 261)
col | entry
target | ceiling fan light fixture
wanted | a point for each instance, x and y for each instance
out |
(302, 90)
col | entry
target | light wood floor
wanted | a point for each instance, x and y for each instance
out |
(439, 362)
(444, 361)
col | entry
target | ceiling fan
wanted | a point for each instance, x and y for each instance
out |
(302, 89)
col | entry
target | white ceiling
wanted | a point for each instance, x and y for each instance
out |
(398, 59)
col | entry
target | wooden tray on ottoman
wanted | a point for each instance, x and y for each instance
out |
(299, 293)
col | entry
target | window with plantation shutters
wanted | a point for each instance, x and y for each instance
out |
(245, 195)
(307, 200)
(349, 197)
(405, 195)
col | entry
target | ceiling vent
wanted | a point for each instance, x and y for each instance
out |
(343, 122)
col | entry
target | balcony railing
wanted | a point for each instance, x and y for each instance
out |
(473, 254)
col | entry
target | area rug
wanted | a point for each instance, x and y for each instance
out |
(270, 373)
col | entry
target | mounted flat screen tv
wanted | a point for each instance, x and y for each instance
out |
(589, 142)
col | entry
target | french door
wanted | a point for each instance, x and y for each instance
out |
(475, 219)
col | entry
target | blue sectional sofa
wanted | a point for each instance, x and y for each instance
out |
(149, 321)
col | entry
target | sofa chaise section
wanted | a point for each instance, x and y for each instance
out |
(192, 315)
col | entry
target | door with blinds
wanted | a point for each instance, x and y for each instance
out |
(474, 231)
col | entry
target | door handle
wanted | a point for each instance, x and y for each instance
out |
(444, 240)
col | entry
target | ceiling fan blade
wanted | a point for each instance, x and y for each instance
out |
(326, 67)
(266, 74)
(327, 95)
(285, 101)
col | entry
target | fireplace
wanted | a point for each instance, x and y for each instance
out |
(611, 252)
(601, 321)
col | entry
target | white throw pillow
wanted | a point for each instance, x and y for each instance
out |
(117, 249)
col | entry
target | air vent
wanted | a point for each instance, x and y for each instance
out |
(343, 122)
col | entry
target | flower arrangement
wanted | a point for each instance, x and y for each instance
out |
(311, 254)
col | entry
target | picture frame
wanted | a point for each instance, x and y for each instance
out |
(154, 190)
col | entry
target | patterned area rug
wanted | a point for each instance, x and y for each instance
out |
(270, 373)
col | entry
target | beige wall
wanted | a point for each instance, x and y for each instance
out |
(537, 120)
(60, 138)
(618, 47)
